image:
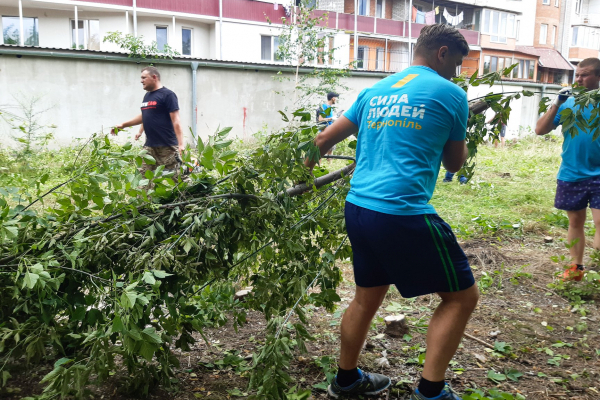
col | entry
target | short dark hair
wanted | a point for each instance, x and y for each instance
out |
(591, 62)
(331, 95)
(152, 71)
(434, 36)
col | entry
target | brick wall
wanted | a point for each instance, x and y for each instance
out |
(547, 14)
(349, 6)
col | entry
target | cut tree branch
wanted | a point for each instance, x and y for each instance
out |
(321, 181)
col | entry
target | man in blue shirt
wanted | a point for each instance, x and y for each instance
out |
(578, 180)
(408, 124)
(325, 113)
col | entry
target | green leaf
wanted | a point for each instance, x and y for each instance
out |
(62, 361)
(149, 278)
(151, 336)
(160, 274)
(495, 376)
(30, 280)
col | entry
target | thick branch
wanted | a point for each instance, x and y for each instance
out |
(321, 181)
(479, 107)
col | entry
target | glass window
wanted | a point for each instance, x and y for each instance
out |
(543, 33)
(501, 64)
(575, 34)
(379, 9)
(380, 59)
(518, 29)
(521, 67)
(161, 37)
(486, 64)
(265, 48)
(510, 25)
(476, 20)
(553, 37)
(486, 21)
(363, 7)
(556, 3)
(494, 64)
(577, 6)
(88, 34)
(546, 2)
(276, 56)
(362, 57)
(531, 68)
(11, 35)
(186, 42)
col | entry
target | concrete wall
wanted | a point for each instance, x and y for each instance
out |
(87, 96)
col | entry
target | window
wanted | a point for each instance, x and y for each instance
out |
(11, 31)
(380, 59)
(186, 42)
(486, 64)
(543, 33)
(88, 34)
(526, 69)
(161, 37)
(379, 9)
(553, 38)
(575, 36)
(499, 25)
(556, 3)
(578, 6)
(546, 2)
(362, 59)
(518, 29)
(363, 7)
(268, 48)
(494, 64)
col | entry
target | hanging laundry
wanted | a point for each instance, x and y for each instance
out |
(420, 17)
(414, 14)
(430, 17)
(275, 6)
(437, 10)
(453, 20)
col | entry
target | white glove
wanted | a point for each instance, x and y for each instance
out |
(562, 96)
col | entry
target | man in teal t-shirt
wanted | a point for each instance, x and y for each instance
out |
(408, 124)
(578, 180)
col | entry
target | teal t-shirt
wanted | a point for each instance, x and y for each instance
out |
(403, 122)
(580, 155)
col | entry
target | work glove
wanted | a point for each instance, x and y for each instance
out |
(562, 96)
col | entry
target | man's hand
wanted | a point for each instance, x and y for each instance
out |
(116, 129)
(181, 148)
(138, 135)
(562, 96)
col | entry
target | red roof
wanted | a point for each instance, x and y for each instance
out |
(549, 58)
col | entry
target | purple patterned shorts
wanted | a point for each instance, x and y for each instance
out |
(574, 196)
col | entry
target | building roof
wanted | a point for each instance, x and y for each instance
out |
(549, 58)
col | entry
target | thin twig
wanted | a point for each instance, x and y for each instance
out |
(483, 342)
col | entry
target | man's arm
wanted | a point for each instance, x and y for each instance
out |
(139, 134)
(546, 123)
(177, 126)
(136, 121)
(454, 155)
(335, 133)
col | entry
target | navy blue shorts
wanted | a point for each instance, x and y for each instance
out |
(417, 253)
(575, 196)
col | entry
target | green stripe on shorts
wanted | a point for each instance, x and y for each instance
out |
(439, 252)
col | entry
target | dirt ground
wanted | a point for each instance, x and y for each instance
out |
(527, 337)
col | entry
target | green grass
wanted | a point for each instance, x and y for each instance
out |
(525, 197)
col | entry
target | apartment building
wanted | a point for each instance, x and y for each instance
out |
(530, 33)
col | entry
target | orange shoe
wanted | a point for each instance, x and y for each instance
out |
(573, 273)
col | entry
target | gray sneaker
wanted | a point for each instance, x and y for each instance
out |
(368, 385)
(447, 394)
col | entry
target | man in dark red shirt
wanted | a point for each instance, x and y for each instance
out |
(160, 121)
